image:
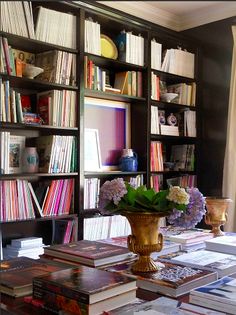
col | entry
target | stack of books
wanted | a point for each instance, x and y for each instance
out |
(90, 253)
(171, 279)
(219, 295)
(83, 290)
(163, 306)
(189, 239)
(30, 247)
(16, 274)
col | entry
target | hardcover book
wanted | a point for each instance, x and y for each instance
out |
(85, 284)
(90, 253)
(221, 263)
(16, 149)
(219, 295)
(57, 303)
(172, 279)
(168, 246)
(16, 274)
(224, 244)
(165, 306)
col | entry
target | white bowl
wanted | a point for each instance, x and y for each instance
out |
(168, 97)
(31, 71)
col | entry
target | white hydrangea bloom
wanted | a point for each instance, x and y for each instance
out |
(178, 195)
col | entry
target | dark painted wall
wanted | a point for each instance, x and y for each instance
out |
(215, 70)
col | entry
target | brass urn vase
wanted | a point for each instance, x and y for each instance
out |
(144, 239)
(216, 214)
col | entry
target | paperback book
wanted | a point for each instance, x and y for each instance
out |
(164, 306)
(223, 264)
(219, 295)
(90, 253)
(172, 279)
(224, 244)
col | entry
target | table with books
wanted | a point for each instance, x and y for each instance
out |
(89, 277)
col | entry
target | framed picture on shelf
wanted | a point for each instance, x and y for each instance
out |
(92, 155)
(112, 120)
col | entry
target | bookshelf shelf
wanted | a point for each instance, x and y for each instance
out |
(180, 139)
(114, 63)
(33, 45)
(112, 173)
(34, 84)
(48, 218)
(43, 128)
(35, 175)
(112, 96)
(172, 106)
(172, 78)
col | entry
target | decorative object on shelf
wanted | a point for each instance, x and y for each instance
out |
(143, 208)
(168, 97)
(216, 214)
(194, 212)
(172, 120)
(128, 161)
(108, 47)
(30, 160)
(162, 118)
(30, 71)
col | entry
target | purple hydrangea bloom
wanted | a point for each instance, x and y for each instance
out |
(113, 191)
(194, 212)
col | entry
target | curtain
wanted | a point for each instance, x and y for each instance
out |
(229, 173)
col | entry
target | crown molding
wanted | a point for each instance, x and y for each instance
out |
(149, 12)
(145, 11)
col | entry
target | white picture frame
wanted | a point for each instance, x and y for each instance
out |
(92, 153)
(91, 120)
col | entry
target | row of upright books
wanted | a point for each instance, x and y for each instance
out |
(18, 18)
(105, 227)
(182, 155)
(54, 108)
(92, 190)
(57, 154)
(20, 201)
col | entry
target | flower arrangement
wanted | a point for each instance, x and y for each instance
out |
(182, 207)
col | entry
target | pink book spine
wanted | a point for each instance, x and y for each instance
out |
(62, 200)
(58, 197)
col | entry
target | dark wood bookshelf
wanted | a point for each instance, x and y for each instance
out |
(112, 23)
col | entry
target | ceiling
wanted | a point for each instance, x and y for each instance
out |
(177, 15)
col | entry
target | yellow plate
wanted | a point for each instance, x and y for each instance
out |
(108, 47)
